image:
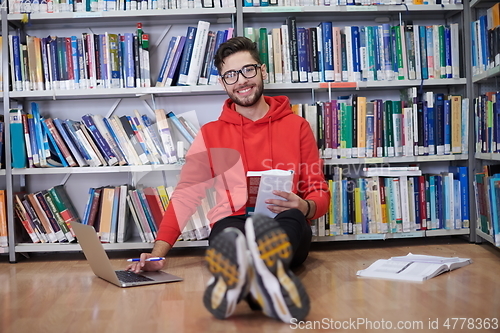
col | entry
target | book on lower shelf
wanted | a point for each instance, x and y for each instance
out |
(412, 267)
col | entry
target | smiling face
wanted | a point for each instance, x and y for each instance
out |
(245, 92)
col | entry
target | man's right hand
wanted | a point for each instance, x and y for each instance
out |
(148, 266)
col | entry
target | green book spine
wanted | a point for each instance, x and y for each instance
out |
(388, 130)
(343, 130)
(349, 133)
(57, 216)
(397, 127)
(442, 52)
(263, 50)
(399, 52)
(370, 44)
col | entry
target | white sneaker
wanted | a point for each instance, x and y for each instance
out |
(227, 260)
(274, 286)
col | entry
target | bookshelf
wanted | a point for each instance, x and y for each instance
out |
(240, 17)
(485, 83)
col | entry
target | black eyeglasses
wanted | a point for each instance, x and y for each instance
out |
(248, 72)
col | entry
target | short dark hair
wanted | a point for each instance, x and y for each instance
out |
(232, 46)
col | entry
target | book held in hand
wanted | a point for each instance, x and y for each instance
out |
(412, 267)
(261, 185)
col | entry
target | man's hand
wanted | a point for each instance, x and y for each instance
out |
(144, 265)
(291, 200)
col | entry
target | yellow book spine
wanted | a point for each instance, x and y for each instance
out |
(361, 126)
(358, 211)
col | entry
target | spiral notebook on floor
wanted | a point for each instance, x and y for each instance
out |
(101, 266)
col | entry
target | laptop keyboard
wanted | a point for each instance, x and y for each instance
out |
(128, 276)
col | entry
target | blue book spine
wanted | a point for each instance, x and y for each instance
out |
(133, 124)
(475, 55)
(461, 174)
(129, 63)
(439, 201)
(175, 62)
(446, 202)
(147, 211)
(447, 126)
(180, 127)
(355, 53)
(439, 121)
(16, 54)
(423, 52)
(485, 42)
(428, 140)
(72, 147)
(17, 139)
(447, 48)
(86, 212)
(377, 54)
(103, 59)
(416, 200)
(327, 38)
(247, 3)
(432, 127)
(432, 197)
(264, 3)
(115, 137)
(303, 57)
(42, 146)
(54, 63)
(102, 144)
(54, 144)
(76, 63)
(68, 126)
(186, 56)
(219, 39)
(386, 37)
(61, 61)
(494, 202)
(33, 139)
(163, 69)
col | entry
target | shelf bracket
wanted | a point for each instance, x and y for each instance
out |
(157, 43)
(148, 107)
(113, 108)
(65, 179)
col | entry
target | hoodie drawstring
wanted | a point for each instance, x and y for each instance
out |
(270, 136)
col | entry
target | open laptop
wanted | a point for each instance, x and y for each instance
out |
(100, 264)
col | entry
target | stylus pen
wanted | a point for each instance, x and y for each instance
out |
(149, 259)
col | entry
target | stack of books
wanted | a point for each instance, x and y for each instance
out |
(47, 215)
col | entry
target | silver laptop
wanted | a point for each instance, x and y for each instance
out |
(100, 264)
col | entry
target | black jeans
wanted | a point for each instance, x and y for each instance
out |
(293, 223)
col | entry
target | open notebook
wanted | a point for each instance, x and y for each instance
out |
(101, 266)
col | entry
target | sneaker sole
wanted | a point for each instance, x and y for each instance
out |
(277, 289)
(227, 261)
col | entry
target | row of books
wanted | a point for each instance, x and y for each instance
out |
(485, 35)
(487, 194)
(328, 53)
(89, 61)
(292, 3)
(4, 235)
(96, 141)
(354, 127)
(377, 200)
(61, 6)
(487, 124)
(47, 215)
(189, 59)
(114, 211)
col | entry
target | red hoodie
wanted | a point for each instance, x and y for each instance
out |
(227, 148)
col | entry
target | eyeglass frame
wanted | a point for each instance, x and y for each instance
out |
(240, 71)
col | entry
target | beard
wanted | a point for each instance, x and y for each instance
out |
(248, 100)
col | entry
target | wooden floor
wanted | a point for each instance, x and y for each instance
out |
(59, 293)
